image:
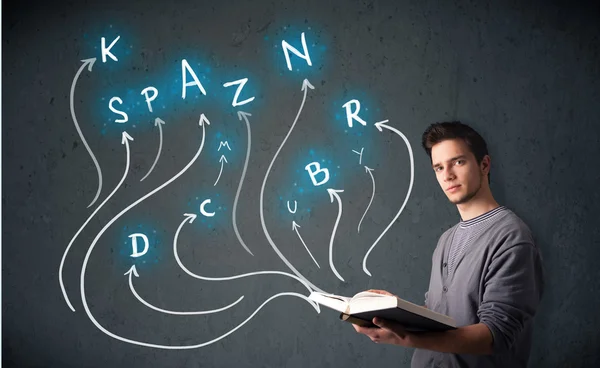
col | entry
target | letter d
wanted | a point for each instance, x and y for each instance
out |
(134, 237)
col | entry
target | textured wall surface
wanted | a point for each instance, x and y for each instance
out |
(525, 76)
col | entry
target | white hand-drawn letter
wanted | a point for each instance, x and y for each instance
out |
(353, 114)
(134, 237)
(106, 51)
(185, 66)
(203, 211)
(286, 48)
(223, 144)
(150, 99)
(110, 106)
(313, 172)
(360, 155)
(241, 83)
(295, 207)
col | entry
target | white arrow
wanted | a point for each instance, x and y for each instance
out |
(89, 63)
(221, 161)
(124, 140)
(186, 347)
(295, 228)
(305, 86)
(334, 193)
(369, 170)
(157, 122)
(380, 125)
(133, 271)
(242, 115)
(203, 122)
(189, 218)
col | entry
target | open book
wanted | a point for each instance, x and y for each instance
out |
(364, 306)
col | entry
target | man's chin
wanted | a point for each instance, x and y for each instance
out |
(456, 201)
(462, 199)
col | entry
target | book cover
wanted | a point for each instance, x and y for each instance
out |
(364, 306)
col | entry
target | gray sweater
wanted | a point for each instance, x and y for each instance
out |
(495, 277)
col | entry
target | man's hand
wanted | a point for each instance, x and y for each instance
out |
(377, 291)
(387, 332)
(472, 339)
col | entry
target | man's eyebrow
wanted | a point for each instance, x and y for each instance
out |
(450, 160)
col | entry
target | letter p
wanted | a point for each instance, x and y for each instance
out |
(149, 99)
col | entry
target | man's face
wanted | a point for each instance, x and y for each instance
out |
(456, 170)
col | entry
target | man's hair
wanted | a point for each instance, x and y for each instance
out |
(438, 132)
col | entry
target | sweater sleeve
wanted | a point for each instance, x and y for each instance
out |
(513, 289)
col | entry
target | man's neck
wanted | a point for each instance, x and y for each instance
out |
(483, 202)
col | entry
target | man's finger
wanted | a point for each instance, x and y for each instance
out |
(377, 291)
(361, 329)
(380, 322)
(395, 327)
(365, 330)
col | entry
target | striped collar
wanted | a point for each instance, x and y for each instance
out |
(482, 217)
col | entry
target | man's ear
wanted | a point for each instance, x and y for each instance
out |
(486, 163)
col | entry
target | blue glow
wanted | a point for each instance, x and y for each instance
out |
(223, 97)
(158, 248)
(316, 44)
(358, 136)
(123, 49)
(220, 205)
(297, 184)
(169, 105)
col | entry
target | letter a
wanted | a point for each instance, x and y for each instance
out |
(353, 114)
(185, 66)
(313, 173)
(134, 237)
(286, 48)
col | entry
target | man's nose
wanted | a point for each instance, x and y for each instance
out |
(449, 175)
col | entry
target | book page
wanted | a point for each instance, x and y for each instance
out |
(368, 294)
(333, 296)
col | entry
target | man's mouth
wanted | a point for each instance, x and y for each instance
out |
(453, 188)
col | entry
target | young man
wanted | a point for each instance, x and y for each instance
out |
(486, 271)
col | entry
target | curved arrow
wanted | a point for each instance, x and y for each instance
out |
(157, 122)
(189, 218)
(305, 86)
(369, 170)
(185, 347)
(334, 193)
(380, 125)
(124, 140)
(203, 122)
(221, 161)
(295, 227)
(89, 63)
(133, 271)
(242, 115)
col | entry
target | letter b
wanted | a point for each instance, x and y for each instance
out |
(313, 169)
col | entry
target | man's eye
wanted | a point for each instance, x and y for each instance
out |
(460, 162)
(438, 168)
